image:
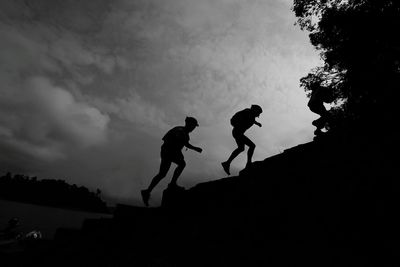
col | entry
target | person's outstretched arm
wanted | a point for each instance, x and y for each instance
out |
(195, 148)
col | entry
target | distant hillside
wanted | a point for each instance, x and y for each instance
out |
(49, 192)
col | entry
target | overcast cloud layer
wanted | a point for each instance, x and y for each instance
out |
(88, 88)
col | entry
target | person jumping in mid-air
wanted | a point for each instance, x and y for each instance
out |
(242, 121)
(171, 151)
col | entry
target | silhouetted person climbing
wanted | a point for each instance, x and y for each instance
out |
(242, 121)
(319, 96)
(171, 151)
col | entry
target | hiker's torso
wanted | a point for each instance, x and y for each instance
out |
(176, 138)
(246, 119)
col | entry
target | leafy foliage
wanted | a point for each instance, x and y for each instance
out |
(358, 43)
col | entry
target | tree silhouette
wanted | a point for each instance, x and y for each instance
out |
(50, 192)
(358, 43)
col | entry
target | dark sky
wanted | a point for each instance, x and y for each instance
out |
(88, 88)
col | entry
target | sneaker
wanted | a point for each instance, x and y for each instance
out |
(145, 197)
(248, 165)
(226, 166)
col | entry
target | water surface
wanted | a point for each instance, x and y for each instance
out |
(42, 218)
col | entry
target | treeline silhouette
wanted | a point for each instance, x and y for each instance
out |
(358, 43)
(50, 192)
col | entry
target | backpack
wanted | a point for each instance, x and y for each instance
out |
(237, 120)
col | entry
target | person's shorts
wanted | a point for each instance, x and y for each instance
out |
(240, 138)
(172, 155)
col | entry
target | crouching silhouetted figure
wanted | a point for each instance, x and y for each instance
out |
(319, 96)
(171, 151)
(241, 122)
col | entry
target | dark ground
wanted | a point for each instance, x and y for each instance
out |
(331, 202)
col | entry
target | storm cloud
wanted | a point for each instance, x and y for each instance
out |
(88, 88)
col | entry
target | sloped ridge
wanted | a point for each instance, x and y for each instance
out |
(258, 183)
(331, 202)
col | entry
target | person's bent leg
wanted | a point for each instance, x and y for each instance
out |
(164, 168)
(250, 151)
(226, 165)
(177, 172)
(320, 110)
(239, 137)
(240, 148)
(235, 153)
